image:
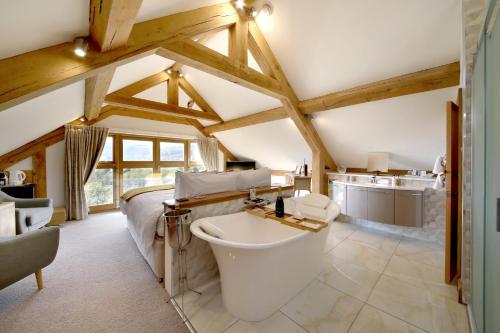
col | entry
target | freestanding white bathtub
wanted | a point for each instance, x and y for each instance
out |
(262, 263)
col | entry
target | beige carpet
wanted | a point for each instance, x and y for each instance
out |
(99, 282)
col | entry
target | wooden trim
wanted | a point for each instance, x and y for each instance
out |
(96, 88)
(205, 59)
(390, 172)
(57, 66)
(222, 197)
(140, 86)
(253, 119)
(29, 149)
(430, 79)
(152, 106)
(40, 173)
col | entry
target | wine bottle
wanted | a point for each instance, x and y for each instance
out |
(280, 205)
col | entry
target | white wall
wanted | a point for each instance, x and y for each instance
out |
(411, 128)
(55, 173)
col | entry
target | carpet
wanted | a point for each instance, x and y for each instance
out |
(99, 282)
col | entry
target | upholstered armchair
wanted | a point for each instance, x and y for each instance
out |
(26, 254)
(31, 214)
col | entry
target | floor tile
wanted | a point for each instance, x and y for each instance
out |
(371, 319)
(206, 312)
(384, 242)
(338, 232)
(428, 253)
(276, 323)
(352, 279)
(418, 306)
(322, 309)
(421, 275)
(361, 255)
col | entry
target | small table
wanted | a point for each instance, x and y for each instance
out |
(300, 183)
(7, 219)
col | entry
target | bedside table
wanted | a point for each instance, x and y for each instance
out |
(7, 219)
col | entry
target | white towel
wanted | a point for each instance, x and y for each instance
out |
(315, 200)
(439, 165)
(312, 212)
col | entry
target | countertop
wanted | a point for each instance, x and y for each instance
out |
(382, 186)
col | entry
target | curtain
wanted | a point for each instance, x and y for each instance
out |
(84, 146)
(209, 153)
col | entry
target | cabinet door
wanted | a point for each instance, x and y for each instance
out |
(381, 205)
(339, 194)
(356, 202)
(409, 208)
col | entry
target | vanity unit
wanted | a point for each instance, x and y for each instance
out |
(384, 203)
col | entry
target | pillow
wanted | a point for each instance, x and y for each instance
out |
(257, 178)
(189, 185)
(316, 200)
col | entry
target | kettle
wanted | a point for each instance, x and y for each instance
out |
(17, 177)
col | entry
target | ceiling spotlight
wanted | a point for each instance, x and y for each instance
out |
(254, 13)
(240, 4)
(190, 104)
(267, 9)
(83, 119)
(169, 71)
(81, 46)
(181, 75)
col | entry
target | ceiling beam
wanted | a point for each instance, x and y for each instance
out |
(193, 54)
(253, 119)
(430, 79)
(173, 88)
(434, 78)
(141, 85)
(110, 25)
(110, 110)
(148, 105)
(35, 73)
(238, 42)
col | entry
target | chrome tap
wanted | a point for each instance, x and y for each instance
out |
(373, 180)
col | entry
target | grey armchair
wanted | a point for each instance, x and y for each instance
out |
(26, 254)
(31, 214)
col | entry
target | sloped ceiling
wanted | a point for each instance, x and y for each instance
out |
(322, 45)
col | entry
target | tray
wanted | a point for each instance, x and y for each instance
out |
(303, 223)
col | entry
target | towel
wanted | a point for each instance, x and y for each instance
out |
(312, 212)
(315, 200)
(439, 165)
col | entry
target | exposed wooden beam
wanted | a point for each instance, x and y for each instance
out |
(253, 119)
(227, 154)
(238, 42)
(110, 25)
(357, 95)
(430, 79)
(321, 156)
(205, 59)
(40, 173)
(27, 150)
(173, 88)
(196, 97)
(96, 88)
(147, 105)
(38, 72)
(142, 85)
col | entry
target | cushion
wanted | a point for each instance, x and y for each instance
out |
(315, 200)
(258, 178)
(36, 216)
(188, 185)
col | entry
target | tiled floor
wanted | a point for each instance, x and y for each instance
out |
(372, 282)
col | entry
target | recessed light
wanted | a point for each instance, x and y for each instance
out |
(81, 46)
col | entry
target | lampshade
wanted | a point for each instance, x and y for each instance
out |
(378, 162)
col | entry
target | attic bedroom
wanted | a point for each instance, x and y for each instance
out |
(249, 166)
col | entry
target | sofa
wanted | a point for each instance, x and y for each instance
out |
(31, 214)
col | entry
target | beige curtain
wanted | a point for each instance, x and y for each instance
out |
(84, 146)
(209, 153)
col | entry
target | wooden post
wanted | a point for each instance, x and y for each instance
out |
(173, 88)
(40, 173)
(319, 178)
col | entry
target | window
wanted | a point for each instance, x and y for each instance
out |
(167, 175)
(171, 151)
(138, 177)
(137, 150)
(99, 188)
(128, 162)
(107, 153)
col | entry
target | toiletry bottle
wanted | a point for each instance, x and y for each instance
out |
(280, 205)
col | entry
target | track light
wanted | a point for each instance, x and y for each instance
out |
(267, 9)
(83, 119)
(169, 71)
(190, 104)
(181, 75)
(81, 46)
(240, 4)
